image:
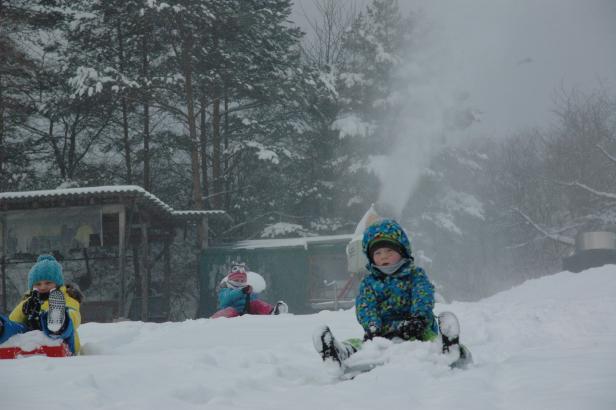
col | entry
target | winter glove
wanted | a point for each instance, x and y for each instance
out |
(31, 308)
(371, 332)
(412, 328)
(247, 289)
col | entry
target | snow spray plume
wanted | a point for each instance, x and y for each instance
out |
(432, 113)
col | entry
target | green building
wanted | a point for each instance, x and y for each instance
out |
(310, 274)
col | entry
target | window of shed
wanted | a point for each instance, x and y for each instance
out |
(111, 229)
(55, 230)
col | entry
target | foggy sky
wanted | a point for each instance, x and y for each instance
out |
(511, 55)
(508, 58)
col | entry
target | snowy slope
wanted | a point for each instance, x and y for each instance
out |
(547, 344)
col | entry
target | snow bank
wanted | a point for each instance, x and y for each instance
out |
(547, 344)
(31, 341)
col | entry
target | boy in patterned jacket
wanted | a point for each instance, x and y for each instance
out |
(395, 299)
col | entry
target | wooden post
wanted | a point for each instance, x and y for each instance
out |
(204, 235)
(86, 259)
(167, 276)
(4, 302)
(145, 277)
(203, 244)
(121, 259)
(4, 236)
(127, 244)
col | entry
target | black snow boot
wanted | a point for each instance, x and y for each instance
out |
(329, 348)
(279, 308)
(449, 327)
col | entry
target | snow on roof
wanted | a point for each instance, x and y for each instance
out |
(72, 192)
(198, 212)
(105, 191)
(291, 242)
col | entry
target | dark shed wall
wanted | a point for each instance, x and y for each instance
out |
(284, 270)
(293, 274)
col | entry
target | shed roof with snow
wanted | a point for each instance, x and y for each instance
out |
(71, 221)
(100, 195)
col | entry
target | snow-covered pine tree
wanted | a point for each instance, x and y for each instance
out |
(66, 130)
(371, 84)
(20, 21)
(117, 43)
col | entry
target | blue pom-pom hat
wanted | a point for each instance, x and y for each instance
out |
(45, 268)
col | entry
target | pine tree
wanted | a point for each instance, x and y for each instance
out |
(118, 43)
(19, 22)
(371, 84)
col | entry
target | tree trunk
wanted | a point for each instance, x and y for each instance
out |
(2, 127)
(126, 140)
(146, 115)
(59, 155)
(216, 155)
(226, 154)
(192, 126)
(72, 149)
(203, 146)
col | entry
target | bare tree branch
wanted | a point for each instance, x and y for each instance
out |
(324, 44)
(600, 194)
(607, 154)
(553, 236)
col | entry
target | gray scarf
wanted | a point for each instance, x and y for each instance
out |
(391, 269)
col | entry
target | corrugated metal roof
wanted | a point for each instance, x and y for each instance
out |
(104, 191)
(197, 212)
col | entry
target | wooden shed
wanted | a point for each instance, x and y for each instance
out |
(111, 235)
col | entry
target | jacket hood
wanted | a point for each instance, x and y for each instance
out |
(386, 230)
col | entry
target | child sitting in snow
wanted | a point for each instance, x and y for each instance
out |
(236, 296)
(48, 306)
(395, 299)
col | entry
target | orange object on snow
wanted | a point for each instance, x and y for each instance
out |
(61, 350)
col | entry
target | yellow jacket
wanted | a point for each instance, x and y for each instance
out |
(17, 314)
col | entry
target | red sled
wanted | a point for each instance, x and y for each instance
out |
(49, 351)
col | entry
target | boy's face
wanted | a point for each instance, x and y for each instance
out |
(44, 286)
(386, 256)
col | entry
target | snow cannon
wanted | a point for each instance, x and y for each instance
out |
(356, 259)
(592, 249)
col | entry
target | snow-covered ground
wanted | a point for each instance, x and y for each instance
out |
(547, 344)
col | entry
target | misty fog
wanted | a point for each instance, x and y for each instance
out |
(512, 74)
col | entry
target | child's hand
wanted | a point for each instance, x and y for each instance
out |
(413, 327)
(32, 309)
(32, 304)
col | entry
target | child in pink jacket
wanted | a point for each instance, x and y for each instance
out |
(236, 297)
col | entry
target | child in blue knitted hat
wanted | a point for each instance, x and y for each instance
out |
(47, 306)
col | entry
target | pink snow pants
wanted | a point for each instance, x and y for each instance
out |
(256, 307)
